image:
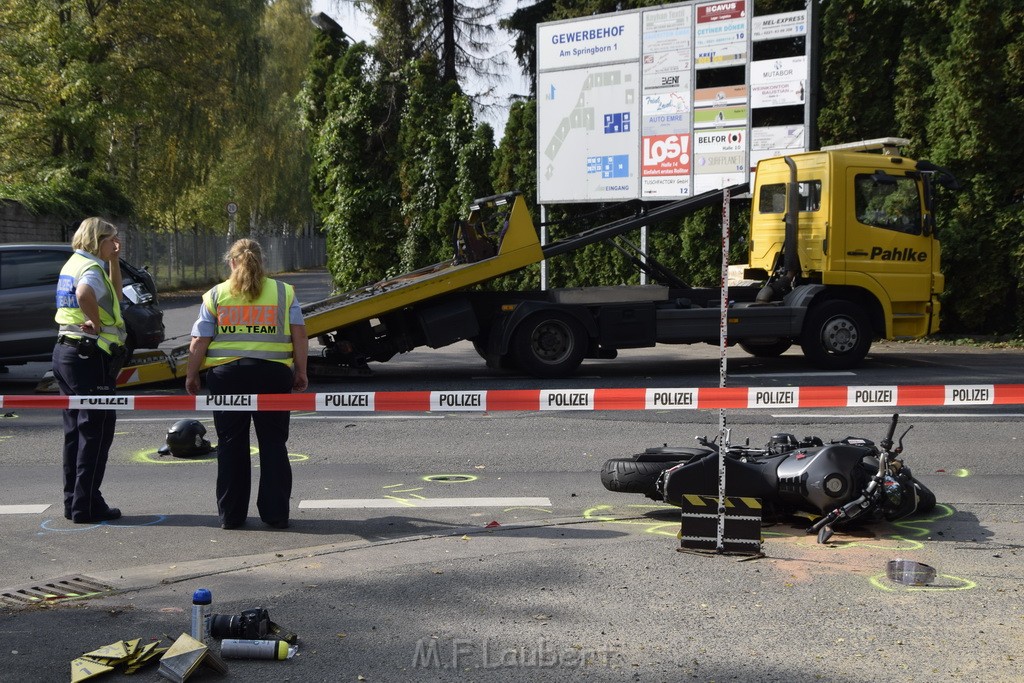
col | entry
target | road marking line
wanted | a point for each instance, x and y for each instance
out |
(358, 503)
(23, 509)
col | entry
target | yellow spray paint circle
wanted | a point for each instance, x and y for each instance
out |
(150, 456)
(450, 478)
(943, 582)
(613, 515)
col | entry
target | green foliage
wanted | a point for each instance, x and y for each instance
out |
(976, 129)
(861, 45)
(444, 162)
(693, 250)
(354, 178)
(515, 168)
(428, 167)
(158, 112)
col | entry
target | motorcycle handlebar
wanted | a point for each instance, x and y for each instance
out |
(886, 443)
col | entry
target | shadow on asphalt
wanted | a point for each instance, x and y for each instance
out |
(376, 529)
(943, 524)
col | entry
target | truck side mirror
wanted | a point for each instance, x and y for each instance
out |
(940, 175)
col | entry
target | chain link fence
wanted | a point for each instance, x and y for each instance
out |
(185, 260)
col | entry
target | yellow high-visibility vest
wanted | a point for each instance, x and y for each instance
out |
(70, 316)
(250, 329)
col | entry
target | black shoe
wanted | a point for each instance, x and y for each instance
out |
(231, 525)
(67, 514)
(107, 515)
(279, 524)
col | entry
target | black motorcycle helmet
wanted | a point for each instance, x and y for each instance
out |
(185, 440)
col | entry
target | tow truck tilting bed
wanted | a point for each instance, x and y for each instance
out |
(487, 247)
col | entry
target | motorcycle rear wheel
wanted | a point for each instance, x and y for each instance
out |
(626, 475)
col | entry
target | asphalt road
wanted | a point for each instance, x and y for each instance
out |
(583, 584)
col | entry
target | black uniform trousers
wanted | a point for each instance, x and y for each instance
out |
(234, 466)
(87, 433)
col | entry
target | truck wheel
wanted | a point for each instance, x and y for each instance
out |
(766, 349)
(549, 344)
(480, 343)
(626, 475)
(836, 335)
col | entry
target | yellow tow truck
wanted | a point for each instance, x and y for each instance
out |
(842, 250)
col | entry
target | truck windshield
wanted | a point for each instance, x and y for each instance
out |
(892, 205)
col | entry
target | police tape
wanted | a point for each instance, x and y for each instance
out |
(702, 398)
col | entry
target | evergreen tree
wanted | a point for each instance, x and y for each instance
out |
(427, 171)
(355, 185)
(976, 129)
(515, 168)
(118, 106)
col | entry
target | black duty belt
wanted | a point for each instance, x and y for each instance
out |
(67, 341)
(249, 361)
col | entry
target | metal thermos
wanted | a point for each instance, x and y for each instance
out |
(238, 648)
(201, 600)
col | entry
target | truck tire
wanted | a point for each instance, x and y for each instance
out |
(836, 335)
(549, 344)
(626, 475)
(766, 349)
(480, 343)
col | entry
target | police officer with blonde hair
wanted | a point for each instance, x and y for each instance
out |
(251, 335)
(86, 361)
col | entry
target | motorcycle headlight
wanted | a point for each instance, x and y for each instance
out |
(900, 499)
(893, 493)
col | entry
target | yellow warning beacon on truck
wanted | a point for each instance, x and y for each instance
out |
(842, 251)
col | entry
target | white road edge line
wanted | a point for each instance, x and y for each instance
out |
(362, 503)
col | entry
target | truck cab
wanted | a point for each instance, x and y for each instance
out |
(856, 223)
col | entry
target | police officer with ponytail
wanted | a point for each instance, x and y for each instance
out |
(86, 361)
(251, 335)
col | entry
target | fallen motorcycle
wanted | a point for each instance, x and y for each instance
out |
(845, 481)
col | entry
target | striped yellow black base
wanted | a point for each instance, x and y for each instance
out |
(699, 529)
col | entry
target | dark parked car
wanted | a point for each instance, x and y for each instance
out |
(28, 283)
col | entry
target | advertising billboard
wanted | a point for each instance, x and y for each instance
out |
(622, 112)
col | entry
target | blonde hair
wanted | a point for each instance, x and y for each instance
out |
(90, 233)
(248, 274)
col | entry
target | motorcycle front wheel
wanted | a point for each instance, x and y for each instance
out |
(925, 498)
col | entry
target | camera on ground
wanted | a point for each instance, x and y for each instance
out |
(251, 624)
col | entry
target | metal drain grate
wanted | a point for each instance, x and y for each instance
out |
(72, 587)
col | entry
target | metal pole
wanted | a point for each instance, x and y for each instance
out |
(543, 241)
(813, 75)
(723, 339)
(643, 253)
